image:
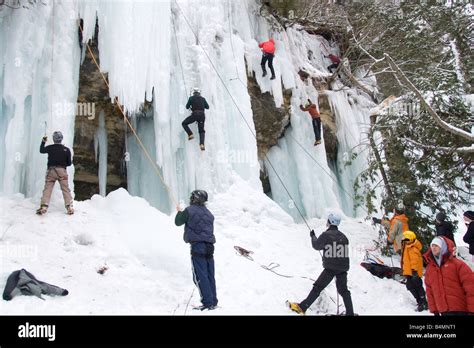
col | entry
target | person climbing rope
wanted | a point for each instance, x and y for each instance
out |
(268, 50)
(396, 226)
(412, 268)
(335, 263)
(316, 120)
(59, 158)
(335, 62)
(197, 104)
(199, 232)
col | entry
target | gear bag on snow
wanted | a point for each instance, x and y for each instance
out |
(376, 267)
(25, 283)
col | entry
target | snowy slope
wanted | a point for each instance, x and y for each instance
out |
(149, 264)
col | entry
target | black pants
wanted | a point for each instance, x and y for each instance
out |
(324, 279)
(267, 57)
(317, 128)
(202, 259)
(200, 118)
(415, 286)
(333, 66)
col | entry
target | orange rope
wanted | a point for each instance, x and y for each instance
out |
(155, 166)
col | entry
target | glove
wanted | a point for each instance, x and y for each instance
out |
(312, 234)
(376, 220)
(436, 314)
(45, 138)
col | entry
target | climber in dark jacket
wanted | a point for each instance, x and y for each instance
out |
(335, 247)
(199, 232)
(443, 227)
(197, 104)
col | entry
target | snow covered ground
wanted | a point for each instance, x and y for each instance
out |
(149, 269)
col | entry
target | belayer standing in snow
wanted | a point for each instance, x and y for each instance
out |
(268, 50)
(396, 226)
(199, 232)
(316, 117)
(335, 62)
(197, 104)
(59, 158)
(449, 281)
(412, 268)
(335, 246)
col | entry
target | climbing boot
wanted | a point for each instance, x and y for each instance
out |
(272, 78)
(69, 209)
(202, 147)
(264, 73)
(295, 307)
(42, 209)
(190, 137)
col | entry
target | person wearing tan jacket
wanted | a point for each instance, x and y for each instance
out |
(396, 226)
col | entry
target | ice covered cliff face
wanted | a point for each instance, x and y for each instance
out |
(142, 46)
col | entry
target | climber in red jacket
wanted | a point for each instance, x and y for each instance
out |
(449, 281)
(335, 62)
(268, 50)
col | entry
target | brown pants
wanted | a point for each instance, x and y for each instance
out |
(54, 174)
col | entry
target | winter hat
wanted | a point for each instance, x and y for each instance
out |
(441, 217)
(439, 241)
(57, 137)
(469, 214)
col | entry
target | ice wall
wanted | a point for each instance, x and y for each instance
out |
(39, 68)
(157, 51)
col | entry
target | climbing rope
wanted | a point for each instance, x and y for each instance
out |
(179, 56)
(153, 163)
(270, 267)
(240, 112)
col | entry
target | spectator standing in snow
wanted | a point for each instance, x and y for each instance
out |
(449, 281)
(396, 226)
(412, 268)
(469, 236)
(443, 227)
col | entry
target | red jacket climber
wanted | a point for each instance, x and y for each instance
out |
(268, 50)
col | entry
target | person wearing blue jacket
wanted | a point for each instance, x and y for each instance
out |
(198, 224)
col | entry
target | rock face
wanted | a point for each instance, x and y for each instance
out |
(94, 96)
(271, 122)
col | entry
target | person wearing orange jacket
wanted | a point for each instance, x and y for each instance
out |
(316, 117)
(449, 281)
(268, 50)
(396, 226)
(412, 268)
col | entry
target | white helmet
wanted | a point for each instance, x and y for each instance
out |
(196, 90)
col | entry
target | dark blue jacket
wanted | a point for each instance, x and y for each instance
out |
(199, 224)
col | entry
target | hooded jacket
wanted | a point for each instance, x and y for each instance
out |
(412, 259)
(268, 46)
(450, 285)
